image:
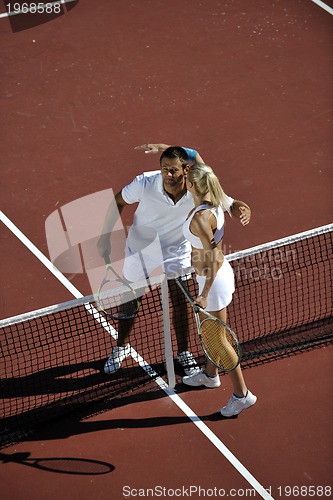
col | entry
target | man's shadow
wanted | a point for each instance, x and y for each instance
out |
(77, 424)
(21, 19)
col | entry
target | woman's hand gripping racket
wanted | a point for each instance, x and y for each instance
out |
(218, 341)
(117, 303)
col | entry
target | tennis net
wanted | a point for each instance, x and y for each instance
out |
(52, 359)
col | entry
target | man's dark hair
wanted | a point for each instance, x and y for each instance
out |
(175, 152)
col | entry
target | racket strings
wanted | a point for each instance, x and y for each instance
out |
(219, 344)
(124, 305)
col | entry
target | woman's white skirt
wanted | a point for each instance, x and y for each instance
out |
(220, 294)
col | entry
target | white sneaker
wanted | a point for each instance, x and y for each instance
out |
(201, 378)
(188, 362)
(117, 356)
(236, 405)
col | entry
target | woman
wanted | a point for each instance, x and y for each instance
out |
(204, 229)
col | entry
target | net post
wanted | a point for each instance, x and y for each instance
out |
(168, 352)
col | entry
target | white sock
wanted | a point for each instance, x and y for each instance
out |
(243, 397)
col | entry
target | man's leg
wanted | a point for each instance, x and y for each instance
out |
(181, 313)
(122, 350)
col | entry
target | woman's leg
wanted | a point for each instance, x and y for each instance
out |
(236, 375)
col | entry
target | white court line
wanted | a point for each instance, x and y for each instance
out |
(40, 256)
(41, 4)
(160, 382)
(323, 6)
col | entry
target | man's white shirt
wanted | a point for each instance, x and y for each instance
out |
(157, 227)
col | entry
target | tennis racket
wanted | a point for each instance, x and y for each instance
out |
(218, 341)
(120, 303)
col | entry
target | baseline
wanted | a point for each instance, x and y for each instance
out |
(323, 6)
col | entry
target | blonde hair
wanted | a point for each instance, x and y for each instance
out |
(206, 182)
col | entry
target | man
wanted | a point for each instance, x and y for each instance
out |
(163, 204)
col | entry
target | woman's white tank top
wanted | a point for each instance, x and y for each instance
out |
(219, 232)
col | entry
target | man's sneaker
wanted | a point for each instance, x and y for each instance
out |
(201, 378)
(188, 362)
(236, 405)
(117, 356)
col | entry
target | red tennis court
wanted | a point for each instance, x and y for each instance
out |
(248, 84)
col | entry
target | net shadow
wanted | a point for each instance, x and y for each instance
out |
(52, 363)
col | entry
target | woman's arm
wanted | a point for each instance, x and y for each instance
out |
(242, 211)
(212, 257)
(159, 148)
(152, 148)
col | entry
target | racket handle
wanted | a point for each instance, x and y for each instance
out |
(106, 258)
(186, 292)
